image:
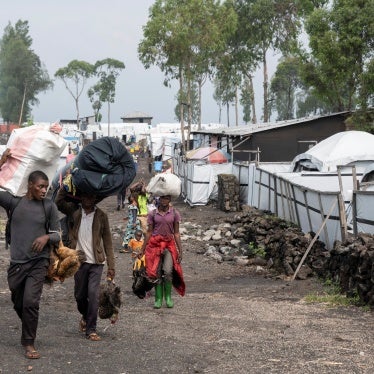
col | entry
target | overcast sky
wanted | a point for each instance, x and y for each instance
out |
(92, 30)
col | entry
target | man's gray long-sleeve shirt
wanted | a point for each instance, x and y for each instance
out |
(29, 222)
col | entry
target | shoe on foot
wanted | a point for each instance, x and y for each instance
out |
(93, 337)
(31, 352)
(118, 207)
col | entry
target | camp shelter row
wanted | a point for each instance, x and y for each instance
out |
(280, 141)
(272, 142)
(328, 202)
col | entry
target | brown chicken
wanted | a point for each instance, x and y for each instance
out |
(64, 263)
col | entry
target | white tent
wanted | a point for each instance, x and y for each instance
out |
(343, 148)
(368, 175)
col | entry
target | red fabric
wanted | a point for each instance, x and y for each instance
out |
(155, 247)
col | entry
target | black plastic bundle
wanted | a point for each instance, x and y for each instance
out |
(103, 167)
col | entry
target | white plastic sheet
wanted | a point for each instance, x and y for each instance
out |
(32, 148)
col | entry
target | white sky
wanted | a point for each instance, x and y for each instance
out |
(92, 30)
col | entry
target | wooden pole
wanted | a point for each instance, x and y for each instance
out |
(313, 240)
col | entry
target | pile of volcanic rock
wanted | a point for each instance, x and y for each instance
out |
(255, 237)
(352, 266)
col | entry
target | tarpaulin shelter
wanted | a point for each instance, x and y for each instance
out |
(368, 174)
(210, 155)
(342, 149)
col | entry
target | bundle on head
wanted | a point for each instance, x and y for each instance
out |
(109, 301)
(64, 263)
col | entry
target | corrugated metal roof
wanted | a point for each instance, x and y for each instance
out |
(137, 114)
(250, 129)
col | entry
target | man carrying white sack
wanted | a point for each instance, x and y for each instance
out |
(34, 230)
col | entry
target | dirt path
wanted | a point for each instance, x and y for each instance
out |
(232, 319)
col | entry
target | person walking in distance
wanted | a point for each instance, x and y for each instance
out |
(90, 233)
(140, 192)
(34, 231)
(163, 252)
(121, 198)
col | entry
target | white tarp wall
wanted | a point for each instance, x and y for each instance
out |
(269, 168)
(139, 130)
(164, 144)
(363, 214)
(199, 180)
(307, 198)
(304, 199)
(242, 171)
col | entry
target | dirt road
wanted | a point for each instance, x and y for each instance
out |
(232, 319)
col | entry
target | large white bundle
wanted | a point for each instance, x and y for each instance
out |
(32, 148)
(165, 184)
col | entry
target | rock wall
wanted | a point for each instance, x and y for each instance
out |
(228, 193)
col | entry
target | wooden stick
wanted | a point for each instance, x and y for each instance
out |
(314, 239)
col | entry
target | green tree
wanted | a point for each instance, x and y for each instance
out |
(107, 71)
(182, 100)
(22, 75)
(283, 88)
(264, 26)
(308, 103)
(96, 103)
(181, 38)
(75, 76)
(246, 100)
(224, 92)
(341, 52)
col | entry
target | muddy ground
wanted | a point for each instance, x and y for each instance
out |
(233, 319)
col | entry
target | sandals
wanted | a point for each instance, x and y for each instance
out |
(93, 337)
(82, 325)
(32, 354)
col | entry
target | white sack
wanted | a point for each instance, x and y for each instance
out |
(165, 184)
(32, 148)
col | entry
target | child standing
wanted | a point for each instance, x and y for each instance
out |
(132, 223)
(135, 244)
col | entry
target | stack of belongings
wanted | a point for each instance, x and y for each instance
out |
(165, 184)
(36, 147)
(103, 167)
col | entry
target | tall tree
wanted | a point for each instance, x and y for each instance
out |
(341, 51)
(246, 100)
(107, 71)
(75, 76)
(283, 88)
(194, 102)
(22, 75)
(266, 25)
(224, 92)
(181, 38)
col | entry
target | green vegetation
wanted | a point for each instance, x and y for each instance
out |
(324, 53)
(22, 75)
(256, 251)
(332, 296)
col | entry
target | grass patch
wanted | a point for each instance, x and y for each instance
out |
(333, 296)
